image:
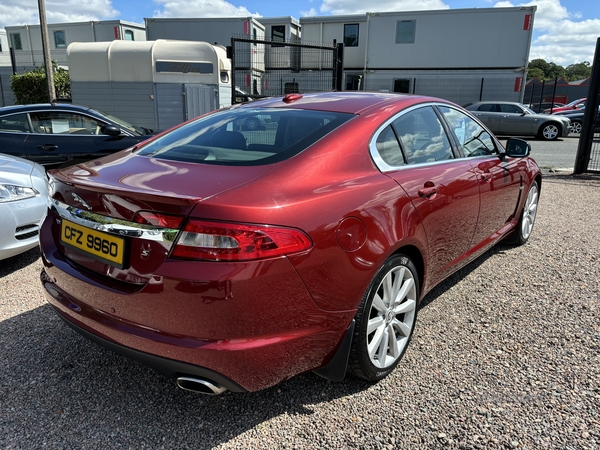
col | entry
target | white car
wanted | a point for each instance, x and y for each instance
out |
(23, 197)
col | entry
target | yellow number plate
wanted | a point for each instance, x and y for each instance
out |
(97, 244)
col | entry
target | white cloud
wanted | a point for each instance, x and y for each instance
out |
(310, 13)
(558, 36)
(201, 8)
(25, 12)
(360, 6)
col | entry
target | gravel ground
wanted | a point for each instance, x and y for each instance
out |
(505, 355)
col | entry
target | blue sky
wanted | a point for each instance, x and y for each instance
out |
(565, 31)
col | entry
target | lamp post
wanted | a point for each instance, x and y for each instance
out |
(46, 49)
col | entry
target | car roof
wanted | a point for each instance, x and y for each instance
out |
(37, 106)
(343, 101)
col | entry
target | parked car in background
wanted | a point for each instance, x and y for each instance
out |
(544, 106)
(576, 118)
(242, 96)
(574, 105)
(62, 134)
(23, 204)
(235, 259)
(515, 119)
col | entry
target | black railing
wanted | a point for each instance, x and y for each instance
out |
(266, 68)
(588, 151)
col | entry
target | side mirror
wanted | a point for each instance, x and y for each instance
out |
(517, 148)
(110, 130)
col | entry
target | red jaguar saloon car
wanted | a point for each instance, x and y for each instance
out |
(281, 236)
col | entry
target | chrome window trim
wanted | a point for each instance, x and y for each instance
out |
(378, 160)
(118, 227)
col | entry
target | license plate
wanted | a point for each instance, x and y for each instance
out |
(97, 244)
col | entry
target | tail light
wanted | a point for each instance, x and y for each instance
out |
(214, 241)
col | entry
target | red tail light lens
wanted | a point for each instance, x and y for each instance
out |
(213, 241)
(158, 219)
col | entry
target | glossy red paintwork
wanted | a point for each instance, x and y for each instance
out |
(261, 322)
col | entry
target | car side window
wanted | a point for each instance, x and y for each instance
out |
(389, 148)
(422, 136)
(64, 123)
(473, 139)
(16, 123)
(512, 109)
(487, 107)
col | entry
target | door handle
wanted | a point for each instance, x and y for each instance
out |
(428, 192)
(47, 147)
(486, 176)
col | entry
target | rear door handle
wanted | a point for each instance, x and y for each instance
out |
(47, 147)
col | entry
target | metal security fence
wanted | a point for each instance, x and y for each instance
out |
(588, 152)
(6, 94)
(265, 68)
(594, 161)
(30, 59)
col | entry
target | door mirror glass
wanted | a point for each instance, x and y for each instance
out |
(517, 148)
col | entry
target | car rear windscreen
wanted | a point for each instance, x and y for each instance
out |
(245, 136)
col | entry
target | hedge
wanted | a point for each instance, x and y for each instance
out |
(32, 87)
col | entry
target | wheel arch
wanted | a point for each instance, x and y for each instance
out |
(417, 258)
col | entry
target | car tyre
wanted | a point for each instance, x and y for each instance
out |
(522, 232)
(385, 320)
(550, 131)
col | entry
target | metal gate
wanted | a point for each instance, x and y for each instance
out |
(265, 68)
(588, 152)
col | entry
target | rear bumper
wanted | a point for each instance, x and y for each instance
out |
(165, 366)
(246, 326)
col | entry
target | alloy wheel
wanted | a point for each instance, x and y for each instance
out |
(391, 317)
(550, 132)
(529, 211)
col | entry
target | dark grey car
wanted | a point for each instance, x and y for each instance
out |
(63, 134)
(515, 119)
(576, 118)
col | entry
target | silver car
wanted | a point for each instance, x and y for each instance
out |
(23, 203)
(515, 119)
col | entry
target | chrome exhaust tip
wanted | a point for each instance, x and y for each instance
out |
(200, 386)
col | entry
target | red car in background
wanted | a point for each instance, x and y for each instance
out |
(574, 105)
(234, 257)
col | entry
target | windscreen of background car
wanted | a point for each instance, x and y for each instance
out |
(141, 131)
(245, 136)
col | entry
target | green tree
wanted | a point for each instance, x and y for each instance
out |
(578, 71)
(544, 70)
(536, 72)
(32, 87)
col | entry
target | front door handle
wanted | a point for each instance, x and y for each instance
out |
(486, 176)
(47, 147)
(428, 192)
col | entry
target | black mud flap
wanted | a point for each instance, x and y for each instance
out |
(335, 370)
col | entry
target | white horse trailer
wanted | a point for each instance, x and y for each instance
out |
(154, 84)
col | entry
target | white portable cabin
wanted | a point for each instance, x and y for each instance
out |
(154, 84)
